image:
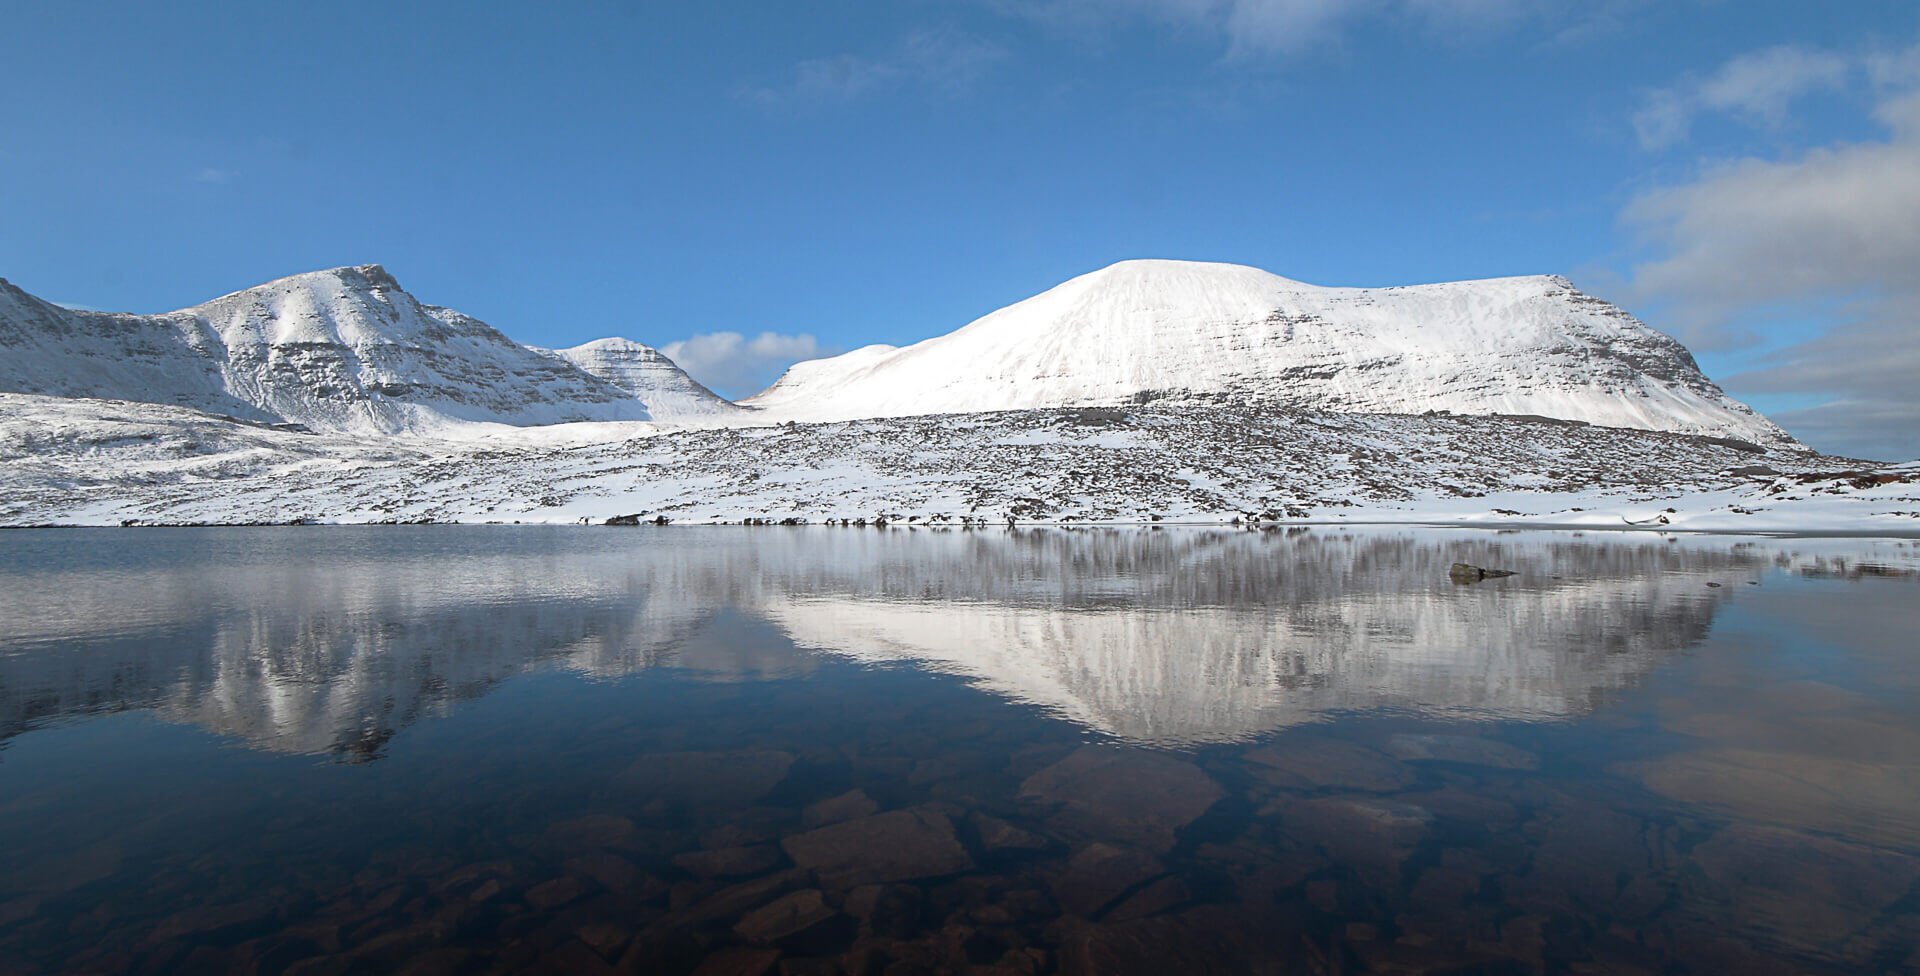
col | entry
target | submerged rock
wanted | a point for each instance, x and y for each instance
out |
(787, 917)
(1124, 794)
(850, 805)
(1099, 873)
(1311, 764)
(1214, 939)
(728, 902)
(998, 835)
(1371, 833)
(1161, 895)
(899, 845)
(729, 861)
(552, 894)
(890, 910)
(1800, 891)
(592, 831)
(739, 962)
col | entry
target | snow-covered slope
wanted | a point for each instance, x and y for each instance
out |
(99, 462)
(341, 350)
(1533, 345)
(646, 374)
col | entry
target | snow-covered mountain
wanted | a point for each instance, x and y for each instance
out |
(646, 374)
(342, 350)
(1531, 346)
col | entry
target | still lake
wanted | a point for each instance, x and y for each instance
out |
(811, 750)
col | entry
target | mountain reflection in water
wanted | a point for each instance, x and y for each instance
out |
(858, 751)
(317, 643)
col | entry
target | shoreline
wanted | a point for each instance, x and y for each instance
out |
(1517, 526)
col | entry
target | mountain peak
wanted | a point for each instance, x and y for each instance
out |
(360, 277)
(1521, 345)
(371, 275)
(613, 344)
(1162, 273)
(342, 349)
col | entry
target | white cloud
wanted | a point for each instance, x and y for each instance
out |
(734, 365)
(213, 175)
(1759, 88)
(1895, 70)
(1837, 226)
(943, 60)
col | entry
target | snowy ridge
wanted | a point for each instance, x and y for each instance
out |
(647, 375)
(1525, 346)
(340, 350)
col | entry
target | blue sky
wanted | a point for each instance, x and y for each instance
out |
(750, 183)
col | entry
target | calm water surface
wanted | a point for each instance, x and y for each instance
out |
(797, 751)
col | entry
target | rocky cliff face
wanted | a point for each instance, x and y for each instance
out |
(1529, 346)
(343, 350)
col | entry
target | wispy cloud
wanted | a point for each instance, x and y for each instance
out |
(214, 175)
(1838, 225)
(734, 365)
(1759, 88)
(1259, 29)
(944, 60)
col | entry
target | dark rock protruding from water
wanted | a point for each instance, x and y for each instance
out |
(1469, 573)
